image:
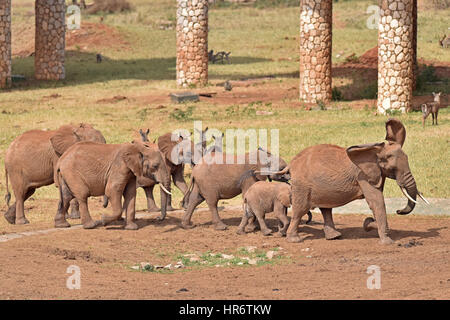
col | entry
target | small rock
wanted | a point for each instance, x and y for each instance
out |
(305, 249)
(275, 289)
(158, 267)
(271, 254)
(250, 249)
(309, 256)
(252, 261)
(240, 263)
(135, 267)
(227, 256)
(169, 266)
(194, 259)
(182, 290)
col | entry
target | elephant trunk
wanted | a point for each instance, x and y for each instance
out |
(409, 188)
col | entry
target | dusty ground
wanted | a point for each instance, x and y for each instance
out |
(416, 267)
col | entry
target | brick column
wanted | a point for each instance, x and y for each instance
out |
(50, 39)
(5, 43)
(395, 55)
(315, 50)
(192, 42)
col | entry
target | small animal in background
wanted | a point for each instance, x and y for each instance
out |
(227, 85)
(144, 135)
(99, 58)
(431, 107)
(219, 56)
(445, 42)
(264, 197)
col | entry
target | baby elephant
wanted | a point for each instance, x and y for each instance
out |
(264, 197)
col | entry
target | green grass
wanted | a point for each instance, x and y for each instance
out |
(257, 39)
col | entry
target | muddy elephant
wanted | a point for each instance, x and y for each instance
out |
(30, 161)
(328, 176)
(221, 176)
(91, 169)
(265, 197)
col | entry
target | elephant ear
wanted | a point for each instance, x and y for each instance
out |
(284, 196)
(166, 145)
(364, 156)
(395, 131)
(64, 138)
(134, 159)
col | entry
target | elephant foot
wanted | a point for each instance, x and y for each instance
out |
(386, 241)
(22, 221)
(330, 233)
(369, 224)
(74, 215)
(131, 226)
(106, 219)
(240, 232)
(62, 224)
(220, 226)
(280, 234)
(250, 228)
(10, 215)
(154, 209)
(187, 225)
(266, 232)
(92, 224)
(293, 238)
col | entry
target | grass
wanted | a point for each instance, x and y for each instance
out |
(263, 42)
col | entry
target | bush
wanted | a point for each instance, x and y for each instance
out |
(426, 75)
(336, 94)
(109, 6)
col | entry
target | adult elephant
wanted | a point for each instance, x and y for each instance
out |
(30, 161)
(221, 176)
(117, 166)
(327, 176)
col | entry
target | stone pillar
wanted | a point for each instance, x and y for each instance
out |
(192, 42)
(315, 50)
(5, 43)
(50, 39)
(395, 55)
(414, 57)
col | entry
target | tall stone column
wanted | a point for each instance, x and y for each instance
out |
(5, 43)
(315, 50)
(395, 55)
(50, 39)
(192, 42)
(414, 57)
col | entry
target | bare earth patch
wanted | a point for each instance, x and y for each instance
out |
(416, 267)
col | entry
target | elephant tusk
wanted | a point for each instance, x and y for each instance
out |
(423, 198)
(165, 190)
(407, 195)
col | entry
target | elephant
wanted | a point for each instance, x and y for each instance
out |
(328, 176)
(91, 169)
(264, 197)
(177, 151)
(221, 176)
(30, 161)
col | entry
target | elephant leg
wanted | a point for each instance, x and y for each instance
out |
(20, 210)
(74, 209)
(129, 205)
(300, 207)
(218, 223)
(86, 219)
(116, 205)
(283, 221)
(328, 224)
(178, 180)
(437, 116)
(375, 200)
(151, 205)
(241, 228)
(63, 206)
(432, 115)
(10, 214)
(195, 198)
(251, 224)
(260, 215)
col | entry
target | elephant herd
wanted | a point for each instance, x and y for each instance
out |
(81, 164)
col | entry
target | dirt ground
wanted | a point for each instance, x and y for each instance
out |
(415, 267)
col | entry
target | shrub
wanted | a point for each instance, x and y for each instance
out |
(336, 94)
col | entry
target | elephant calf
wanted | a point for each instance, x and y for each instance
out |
(264, 197)
(91, 169)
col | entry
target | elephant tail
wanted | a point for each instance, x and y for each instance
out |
(309, 217)
(185, 201)
(60, 204)
(105, 201)
(247, 210)
(8, 194)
